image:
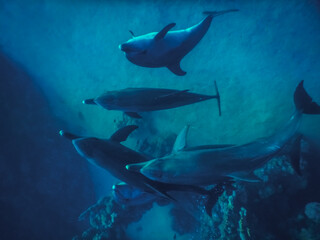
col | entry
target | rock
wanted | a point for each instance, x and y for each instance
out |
(312, 211)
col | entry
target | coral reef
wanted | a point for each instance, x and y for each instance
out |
(108, 219)
(257, 56)
(312, 211)
(265, 210)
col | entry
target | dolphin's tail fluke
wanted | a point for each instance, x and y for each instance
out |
(218, 97)
(218, 13)
(89, 101)
(68, 135)
(304, 102)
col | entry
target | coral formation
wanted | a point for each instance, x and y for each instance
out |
(245, 212)
(312, 211)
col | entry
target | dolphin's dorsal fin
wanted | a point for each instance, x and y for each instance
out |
(164, 31)
(181, 140)
(123, 133)
(176, 69)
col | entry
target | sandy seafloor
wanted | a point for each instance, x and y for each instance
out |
(257, 56)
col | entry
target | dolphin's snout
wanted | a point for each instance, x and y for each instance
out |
(129, 48)
(90, 101)
(135, 167)
(68, 135)
(124, 47)
(61, 133)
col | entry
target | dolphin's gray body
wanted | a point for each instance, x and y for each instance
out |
(208, 166)
(112, 156)
(167, 48)
(135, 100)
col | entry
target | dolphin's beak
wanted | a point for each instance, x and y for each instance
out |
(129, 48)
(123, 47)
(68, 135)
(136, 167)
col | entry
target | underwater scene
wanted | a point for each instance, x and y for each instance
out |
(160, 120)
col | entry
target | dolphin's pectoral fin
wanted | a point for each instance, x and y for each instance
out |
(123, 133)
(244, 176)
(164, 31)
(176, 69)
(181, 140)
(133, 115)
(218, 97)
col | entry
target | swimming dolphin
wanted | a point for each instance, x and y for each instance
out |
(112, 156)
(167, 48)
(208, 166)
(134, 100)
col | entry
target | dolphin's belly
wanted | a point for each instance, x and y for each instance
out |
(176, 45)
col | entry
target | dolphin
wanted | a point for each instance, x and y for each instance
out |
(134, 100)
(112, 156)
(167, 48)
(208, 166)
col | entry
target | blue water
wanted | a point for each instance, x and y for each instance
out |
(56, 53)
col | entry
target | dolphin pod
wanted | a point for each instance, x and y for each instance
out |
(208, 166)
(167, 48)
(112, 156)
(207, 170)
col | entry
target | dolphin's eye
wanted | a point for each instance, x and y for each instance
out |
(144, 52)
